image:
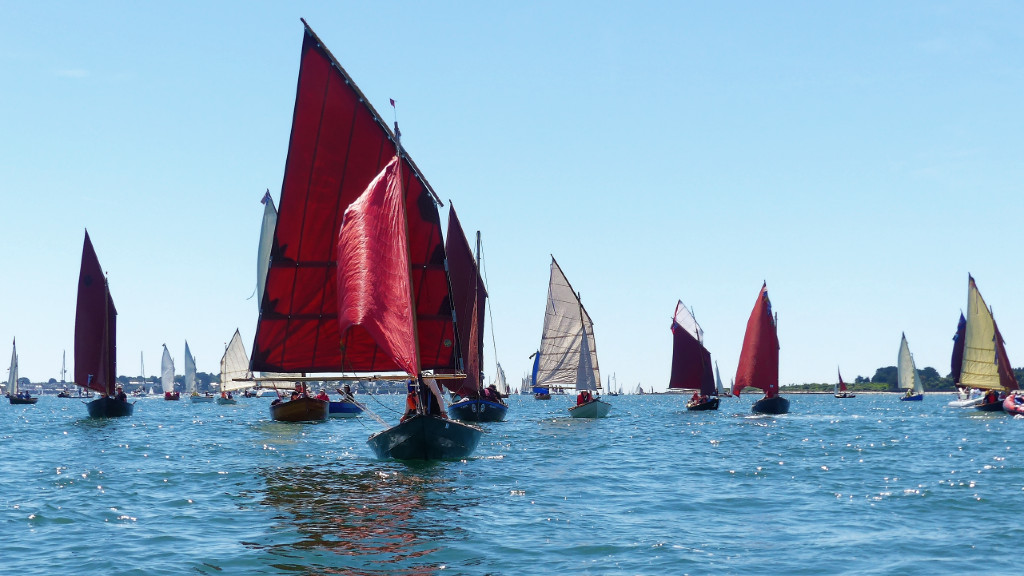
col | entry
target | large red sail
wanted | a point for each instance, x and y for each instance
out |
(95, 327)
(691, 362)
(338, 145)
(375, 299)
(469, 297)
(759, 357)
(842, 385)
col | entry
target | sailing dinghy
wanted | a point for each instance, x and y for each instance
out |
(234, 369)
(470, 300)
(14, 395)
(167, 376)
(985, 364)
(190, 379)
(907, 375)
(759, 358)
(840, 389)
(96, 338)
(691, 361)
(357, 280)
(568, 353)
(723, 392)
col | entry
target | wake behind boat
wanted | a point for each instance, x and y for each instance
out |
(759, 358)
(96, 339)
(373, 265)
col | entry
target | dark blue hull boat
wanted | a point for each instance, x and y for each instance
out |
(424, 437)
(106, 407)
(914, 398)
(344, 410)
(776, 405)
(477, 411)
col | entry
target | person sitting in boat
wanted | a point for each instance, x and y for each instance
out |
(322, 396)
(346, 394)
(121, 396)
(491, 394)
(583, 397)
(411, 402)
(991, 397)
(300, 391)
(430, 397)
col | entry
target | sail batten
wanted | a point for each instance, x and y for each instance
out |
(566, 326)
(985, 364)
(337, 147)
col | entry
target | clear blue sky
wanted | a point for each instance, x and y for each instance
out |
(860, 157)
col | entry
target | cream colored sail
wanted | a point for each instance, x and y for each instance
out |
(566, 324)
(190, 371)
(167, 371)
(266, 242)
(12, 377)
(979, 368)
(906, 369)
(234, 366)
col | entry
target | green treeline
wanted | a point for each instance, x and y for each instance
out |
(885, 380)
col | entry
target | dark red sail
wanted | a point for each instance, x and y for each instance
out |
(1007, 379)
(842, 385)
(470, 298)
(338, 145)
(957, 360)
(759, 357)
(95, 327)
(691, 362)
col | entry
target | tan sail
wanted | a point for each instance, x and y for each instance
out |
(982, 347)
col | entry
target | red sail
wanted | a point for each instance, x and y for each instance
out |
(1006, 377)
(759, 357)
(691, 362)
(469, 297)
(842, 385)
(338, 145)
(95, 327)
(375, 300)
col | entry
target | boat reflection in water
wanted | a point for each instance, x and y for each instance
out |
(388, 520)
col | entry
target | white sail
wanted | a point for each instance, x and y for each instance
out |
(234, 366)
(167, 371)
(566, 326)
(499, 381)
(266, 242)
(190, 371)
(906, 370)
(12, 377)
(718, 381)
(979, 368)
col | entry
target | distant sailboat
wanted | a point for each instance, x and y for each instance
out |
(361, 287)
(759, 358)
(13, 394)
(96, 338)
(985, 364)
(906, 374)
(539, 392)
(723, 392)
(234, 369)
(190, 379)
(167, 376)
(840, 389)
(568, 353)
(691, 361)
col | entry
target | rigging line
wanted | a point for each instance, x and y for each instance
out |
(490, 310)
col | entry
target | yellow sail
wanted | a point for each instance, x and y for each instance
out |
(980, 368)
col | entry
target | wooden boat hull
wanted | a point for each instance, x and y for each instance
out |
(710, 404)
(477, 410)
(15, 400)
(845, 395)
(344, 410)
(171, 395)
(592, 409)
(199, 399)
(996, 406)
(226, 401)
(299, 410)
(776, 405)
(424, 437)
(109, 408)
(914, 398)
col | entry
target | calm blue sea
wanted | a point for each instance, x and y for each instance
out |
(868, 485)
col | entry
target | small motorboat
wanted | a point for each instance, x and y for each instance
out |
(1014, 405)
